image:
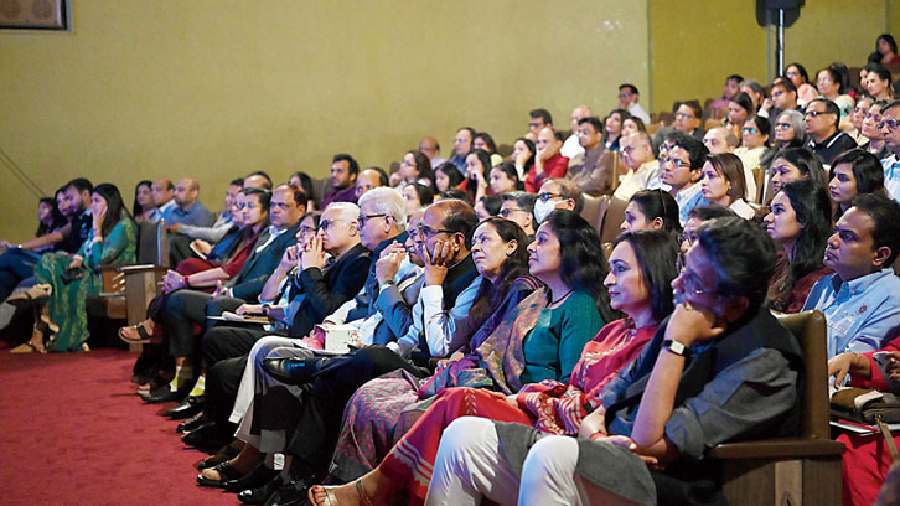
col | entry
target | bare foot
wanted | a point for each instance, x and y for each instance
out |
(142, 332)
(366, 491)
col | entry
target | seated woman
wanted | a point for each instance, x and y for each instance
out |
(417, 197)
(522, 157)
(416, 168)
(143, 201)
(652, 210)
(488, 206)
(70, 279)
(447, 177)
(540, 338)
(853, 173)
(734, 369)
(799, 223)
(250, 217)
(866, 460)
(505, 179)
(642, 267)
(788, 131)
(794, 164)
(499, 255)
(723, 184)
(478, 167)
(754, 144)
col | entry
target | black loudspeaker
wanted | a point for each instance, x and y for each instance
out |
(767, 11)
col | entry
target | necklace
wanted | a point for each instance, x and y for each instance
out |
(557, 301)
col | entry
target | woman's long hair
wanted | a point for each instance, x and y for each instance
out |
(490, 295)
(582, 262)
(812, 207)
(657, 255)
(115, 207)
(137, 209)
(423, 165)
(485, 159)
(529, 163)
(659, 204)
(56, 218)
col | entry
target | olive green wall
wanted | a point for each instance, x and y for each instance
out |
(143, 89)
(694, 45)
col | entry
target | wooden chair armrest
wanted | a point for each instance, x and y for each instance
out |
(777, 449)
(140, 269)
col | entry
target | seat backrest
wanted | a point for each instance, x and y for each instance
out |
(809, 329)
(593, 210)
(611, 225)
(153, 244)
(760, 181)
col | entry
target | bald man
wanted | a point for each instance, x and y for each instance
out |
(572, 148)
(432, 149)
(187, 209)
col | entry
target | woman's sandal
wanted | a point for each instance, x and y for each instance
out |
(27, 347)
(331, 499)
(143, 335)
(35, 293)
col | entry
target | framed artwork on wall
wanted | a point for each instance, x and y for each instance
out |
(34, 15)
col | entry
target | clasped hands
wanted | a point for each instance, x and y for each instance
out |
(439, 261)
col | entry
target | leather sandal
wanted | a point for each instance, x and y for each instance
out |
(143, 335)
(331, 499)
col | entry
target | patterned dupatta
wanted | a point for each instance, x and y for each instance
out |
(501, 352)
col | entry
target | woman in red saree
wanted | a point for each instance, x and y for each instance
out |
(642, 267)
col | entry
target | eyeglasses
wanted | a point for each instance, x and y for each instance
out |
(890, 124)
(816, 114)
(545, 196)
(363, 218)
(306, 229)
(782, 126)
(684, 115)
(678, 163)
(428, 232)
(748, 130)
(325, 224)
(505, 213)
(535, 125)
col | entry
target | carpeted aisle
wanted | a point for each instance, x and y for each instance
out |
(73, 432)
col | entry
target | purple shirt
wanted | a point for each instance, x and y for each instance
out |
(340, 195)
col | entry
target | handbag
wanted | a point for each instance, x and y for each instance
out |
(865, 405)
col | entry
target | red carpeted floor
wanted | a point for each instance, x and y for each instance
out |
(72, 431)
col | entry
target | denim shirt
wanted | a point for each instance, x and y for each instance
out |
(860, 312)
(891, 167)
(687, 200)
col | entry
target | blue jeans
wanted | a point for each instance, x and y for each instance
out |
(15, 265)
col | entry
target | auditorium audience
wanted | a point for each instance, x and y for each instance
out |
(68, 280)
(799, 223)
(861, 300)
(641, 270)
(720, 320)
(825, 140)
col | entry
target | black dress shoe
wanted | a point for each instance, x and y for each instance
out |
(208, 436)
(258, 477)
(226, 472)
(294, 370)
(261, 494)
(227, 452)
(188, 408)
(154, 391)
(167, 395)
(192, 424)
(293, 493)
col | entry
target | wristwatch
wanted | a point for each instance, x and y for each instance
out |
(675, 347)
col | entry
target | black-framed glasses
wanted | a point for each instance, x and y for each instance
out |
(816, 114)
(545, 196)
(426, 231)
(678, 162)
(506, 213)
(326, 224)
(782, 126)
(890, 123)
(363, 218)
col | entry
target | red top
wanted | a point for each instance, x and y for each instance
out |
(555, 166)
(876, 379)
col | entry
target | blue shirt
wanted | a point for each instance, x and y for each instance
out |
(860, 312)
(196, 214)
(687, 199)
(891, 166)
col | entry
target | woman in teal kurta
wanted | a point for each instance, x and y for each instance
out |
(74, 278)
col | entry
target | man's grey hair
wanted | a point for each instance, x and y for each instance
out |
(385, 200)
(797, 121)
(348, 211)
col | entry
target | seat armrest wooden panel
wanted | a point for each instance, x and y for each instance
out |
(777, 449)
(141, 268)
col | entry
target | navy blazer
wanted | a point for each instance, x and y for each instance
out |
(326, 290)
(248, 284)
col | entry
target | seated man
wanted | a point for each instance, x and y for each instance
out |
(17, 263)
(681, 168)
(591, 171)
(861, 300)
(163, 193)
(557, 193)
(637, 154)
(184, 234)
(187, 209)
(825, 139)
(733, 366)
(720, 140)
(186, 308)
(518, 207)
(344, 169)
(890, 128)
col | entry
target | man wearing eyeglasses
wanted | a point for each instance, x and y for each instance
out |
(783, 98)
(637, 154)
(628, 100)
(591, 170)
(822, 117)
(518, 207)
(890, 117)
(681, 170)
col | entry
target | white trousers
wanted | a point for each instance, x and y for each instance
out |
(469, 466)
